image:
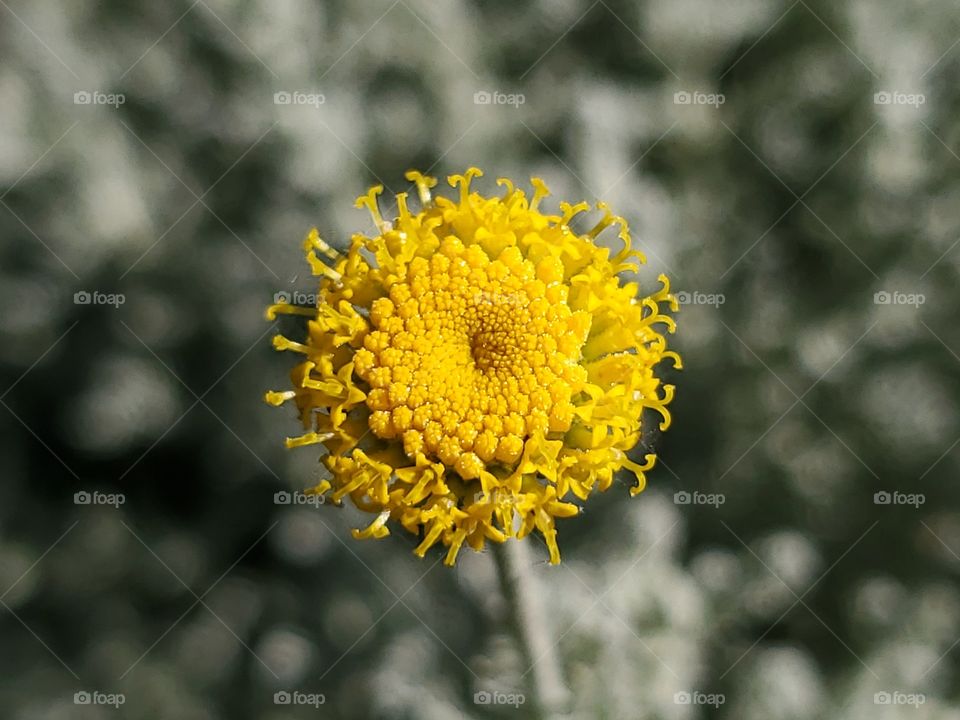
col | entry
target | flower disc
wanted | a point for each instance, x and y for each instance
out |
(475, 367)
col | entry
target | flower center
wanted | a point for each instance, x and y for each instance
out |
(471, 356)
(494, 326)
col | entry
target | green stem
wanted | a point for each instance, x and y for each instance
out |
(528, 617)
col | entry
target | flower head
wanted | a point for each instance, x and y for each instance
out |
(477, 368)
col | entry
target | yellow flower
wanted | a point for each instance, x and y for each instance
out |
(477, 367)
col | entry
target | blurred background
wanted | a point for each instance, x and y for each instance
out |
(793, 168)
